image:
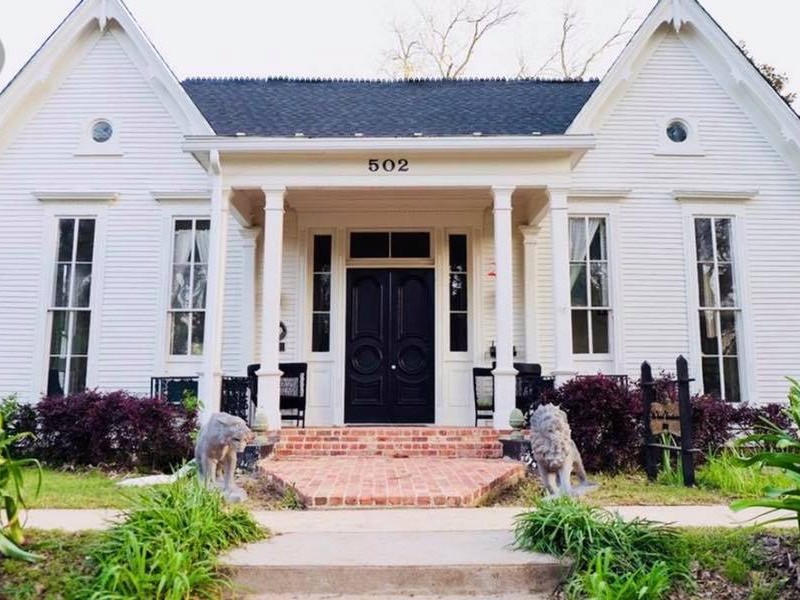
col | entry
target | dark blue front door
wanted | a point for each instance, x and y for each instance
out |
(389, 366)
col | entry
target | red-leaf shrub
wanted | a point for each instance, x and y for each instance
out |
(115, 430)
(606, 422)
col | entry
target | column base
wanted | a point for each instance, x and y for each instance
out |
(268, 412)
(505, 396)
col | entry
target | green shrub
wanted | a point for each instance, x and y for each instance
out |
(776, 448)
(601, 582)
(610, 556)
(167, 547)
(723, 472)
(12, 500)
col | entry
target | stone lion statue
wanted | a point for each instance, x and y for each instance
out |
(554, 451)
(215, 453)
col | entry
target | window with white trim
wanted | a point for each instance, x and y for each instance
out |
(188, 277)
(459, 304)
(719, 309)
(70, 312)
(589, 283)
(321, 305)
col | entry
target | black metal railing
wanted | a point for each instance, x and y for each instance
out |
(236, 398)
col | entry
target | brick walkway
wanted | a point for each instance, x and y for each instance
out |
(380, 481)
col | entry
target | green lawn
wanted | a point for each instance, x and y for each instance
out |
(77, 489)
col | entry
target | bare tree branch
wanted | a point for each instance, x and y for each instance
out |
(448, 45)
(571, 61)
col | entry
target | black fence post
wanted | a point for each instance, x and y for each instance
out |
(684, 402)
(648, 397)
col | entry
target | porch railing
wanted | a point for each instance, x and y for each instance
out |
(236, 398)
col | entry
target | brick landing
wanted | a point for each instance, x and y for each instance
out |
(394, 442)
(324, 482)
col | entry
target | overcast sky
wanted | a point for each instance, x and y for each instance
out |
(347, 38)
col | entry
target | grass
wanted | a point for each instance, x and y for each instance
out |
(63, 573)
(81, 489)
(723, 473)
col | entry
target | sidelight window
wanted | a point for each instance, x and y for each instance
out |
(70, 310)
(589, 285)
(718, 302)
(187, 309)
(321, 309)
(459, 328)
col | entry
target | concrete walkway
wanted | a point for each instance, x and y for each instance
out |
(414, 519)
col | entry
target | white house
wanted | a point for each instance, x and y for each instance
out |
(396, 231)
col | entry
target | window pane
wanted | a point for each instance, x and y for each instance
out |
(66, 232)
(179, 337)
(580, 332)
(600, 331)
(83, 285)
(723, 231)
(369, 245)
(77, 375)
(727, 292)
(733, 392)
(728, 325)
(200, 282)
(577, 274)
(707, 286)
(180, 286)
(198, 329)
(703, 240)
(322, 253)
(63, 278)
(411, 245)
(577, 239)
(85, 240)
(599, 281)
(458, 253)
(458, 332)
(58, 335)
(322, 292)
(597, 235)
(709, 344)
(56, 375)
(711, 379)
(320, 332)
(458, 292)
(80, 332)
(202, 238)
(182, 252)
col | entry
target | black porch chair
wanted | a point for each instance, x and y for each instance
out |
(292, 393)
(483, 389)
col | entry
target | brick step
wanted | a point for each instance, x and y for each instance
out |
(444, 442)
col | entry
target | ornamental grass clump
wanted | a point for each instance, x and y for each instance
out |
(612, 558)
(167, 547)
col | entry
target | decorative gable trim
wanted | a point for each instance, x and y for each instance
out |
(717, 51)
(69, 42)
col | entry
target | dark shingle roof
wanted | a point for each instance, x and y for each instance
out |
(341, 108)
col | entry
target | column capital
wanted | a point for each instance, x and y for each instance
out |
(249, 235)
(501, 195)
(530, 233)
(274, 197)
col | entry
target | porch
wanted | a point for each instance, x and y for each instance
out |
(390, 287)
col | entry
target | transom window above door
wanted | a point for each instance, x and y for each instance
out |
(390, 244)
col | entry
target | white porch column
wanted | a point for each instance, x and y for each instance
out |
(268, 414)
(210, 390)
(249, 295)
(559, 239)
(504, 372)
(530, 240)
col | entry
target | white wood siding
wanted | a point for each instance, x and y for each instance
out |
(105, 83)
(674, 83)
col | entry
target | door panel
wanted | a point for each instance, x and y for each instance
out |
(389, 362)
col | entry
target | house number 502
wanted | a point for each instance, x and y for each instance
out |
(388, 165)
